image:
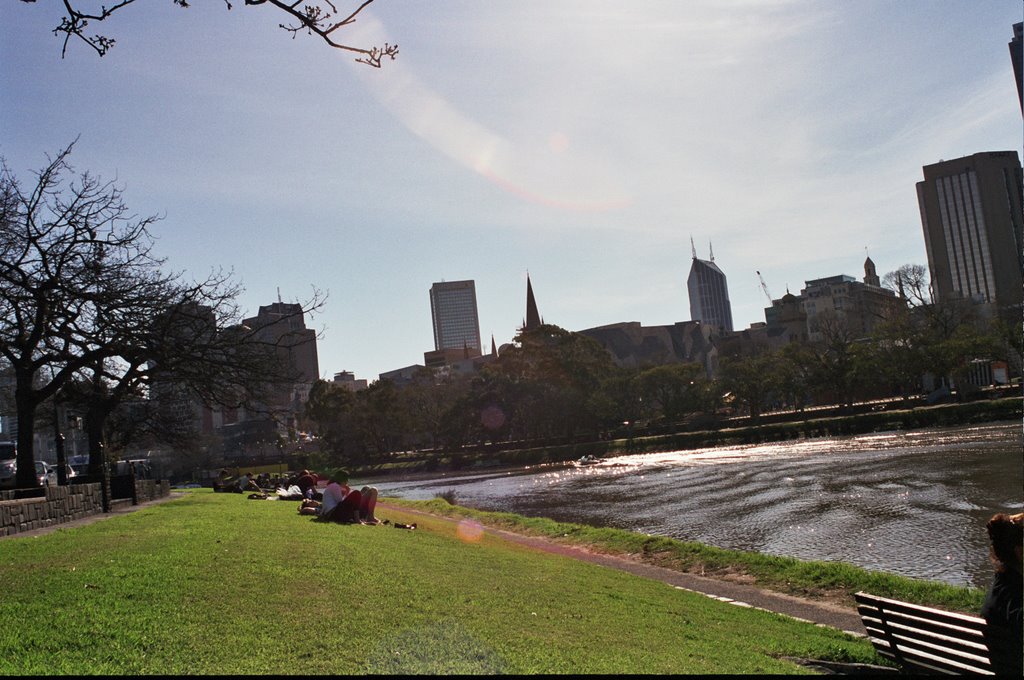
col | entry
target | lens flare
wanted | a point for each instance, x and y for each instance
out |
(470, 531)
(492, 417)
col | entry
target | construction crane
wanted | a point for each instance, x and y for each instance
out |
(764, 287)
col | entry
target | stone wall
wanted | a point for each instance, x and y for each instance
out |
(65, 503)
(60, 504)
(151, 489)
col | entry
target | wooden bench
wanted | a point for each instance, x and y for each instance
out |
(926, 640)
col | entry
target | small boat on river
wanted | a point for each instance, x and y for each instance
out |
(588, 460)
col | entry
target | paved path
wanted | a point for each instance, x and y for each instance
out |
(821, 613)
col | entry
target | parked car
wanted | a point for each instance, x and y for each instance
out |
(8, 468)
(45, 473)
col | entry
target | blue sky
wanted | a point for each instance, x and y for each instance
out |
(582, 142)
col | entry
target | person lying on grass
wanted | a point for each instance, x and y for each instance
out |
(341, 503)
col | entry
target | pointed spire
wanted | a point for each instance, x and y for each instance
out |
(494, 348)
(693, 248)
(711, 251)
(532, 316)
(870, 274)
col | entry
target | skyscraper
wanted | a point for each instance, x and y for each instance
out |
(453, 311)
(709, 294)
(973, 232)
(1017, 59)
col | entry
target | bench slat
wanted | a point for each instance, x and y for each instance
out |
(913, 659)
(923, 638)
(930, 613)
(924, 630)
(936, 646)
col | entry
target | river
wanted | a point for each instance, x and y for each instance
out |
(907, 502)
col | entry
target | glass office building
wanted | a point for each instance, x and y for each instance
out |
(454, 313)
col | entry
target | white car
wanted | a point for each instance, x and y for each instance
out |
(45, 473)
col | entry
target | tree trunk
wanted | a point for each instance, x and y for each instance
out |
(95, 418)
(26, 406)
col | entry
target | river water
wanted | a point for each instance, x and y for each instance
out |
(913, 503)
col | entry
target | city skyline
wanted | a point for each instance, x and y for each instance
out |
(791, 134)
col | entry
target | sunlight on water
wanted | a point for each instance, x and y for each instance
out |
(913, 503)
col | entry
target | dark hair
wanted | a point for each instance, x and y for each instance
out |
(1006, 533)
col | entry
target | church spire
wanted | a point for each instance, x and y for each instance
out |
(870, 274)
(532, 316)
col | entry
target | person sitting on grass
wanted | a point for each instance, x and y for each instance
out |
(247, 483)
(221, 483)
(341, 503)
(307, 482)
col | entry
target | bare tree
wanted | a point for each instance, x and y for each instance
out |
(314, 17)
(57, 249)
(84, 303)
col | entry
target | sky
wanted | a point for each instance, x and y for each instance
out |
(582, 143)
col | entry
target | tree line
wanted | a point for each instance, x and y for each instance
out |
(555, 386)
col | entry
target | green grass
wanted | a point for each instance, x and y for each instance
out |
(216, 583)
(836, 581)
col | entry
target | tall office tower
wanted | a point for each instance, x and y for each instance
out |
(973, 232)
(453, 310)
(1017, 59)
(283, 324)
(709, 293)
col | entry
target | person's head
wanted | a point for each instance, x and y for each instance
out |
(340, 475)
(1007, 535)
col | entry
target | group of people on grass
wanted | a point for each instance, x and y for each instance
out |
(338, 502)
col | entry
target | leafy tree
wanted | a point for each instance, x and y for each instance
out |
(314, 17)
(331, 408)
(545, 380)
(674, 389)
(795, 373)
(834, 367)
(751, 380)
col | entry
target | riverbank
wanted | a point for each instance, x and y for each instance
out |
(800, 426)
(217, 583)
(832, 583)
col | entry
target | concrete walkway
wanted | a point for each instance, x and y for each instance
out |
(820, 613)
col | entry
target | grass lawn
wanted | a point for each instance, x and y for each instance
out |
(216, 583)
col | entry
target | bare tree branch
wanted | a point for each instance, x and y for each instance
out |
(315, 17)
